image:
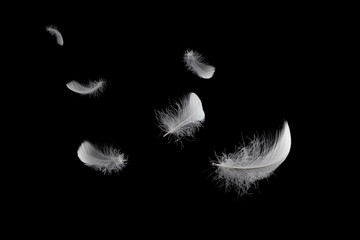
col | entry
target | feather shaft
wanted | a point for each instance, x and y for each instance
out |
(181, 124)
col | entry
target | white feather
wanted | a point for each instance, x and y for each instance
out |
(93, 88)
(54, 31)
(107, 161)
(254, 161)
(195, 63)
(183, 119)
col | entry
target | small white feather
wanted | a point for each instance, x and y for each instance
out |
(183, 119)
(53, 30)
(253, 162)
(195, 63)
(93, 88)
(107, 161)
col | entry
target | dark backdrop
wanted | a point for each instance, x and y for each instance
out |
(265, 74)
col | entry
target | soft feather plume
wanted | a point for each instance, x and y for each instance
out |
(195, 63)
(254, 161)
(107, 160)
(183, 119)
(93, 88)
(54, 31)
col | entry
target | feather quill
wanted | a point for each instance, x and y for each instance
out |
(253, 162)
(54, 31)
(183, 119)
(93, 88)
(195, 63)
(108, 160)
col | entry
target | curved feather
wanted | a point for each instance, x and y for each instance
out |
(54, 31)
(195, 63)
(183, 119)
(107, 161)
(253, 162)
(93, 88)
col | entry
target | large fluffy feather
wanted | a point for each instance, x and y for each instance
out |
(183, 119)
(54, 31)
(93, 88)
(107, 161)
(195, 63)
(254, 161)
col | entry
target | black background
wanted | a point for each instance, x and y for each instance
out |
(267, 66)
